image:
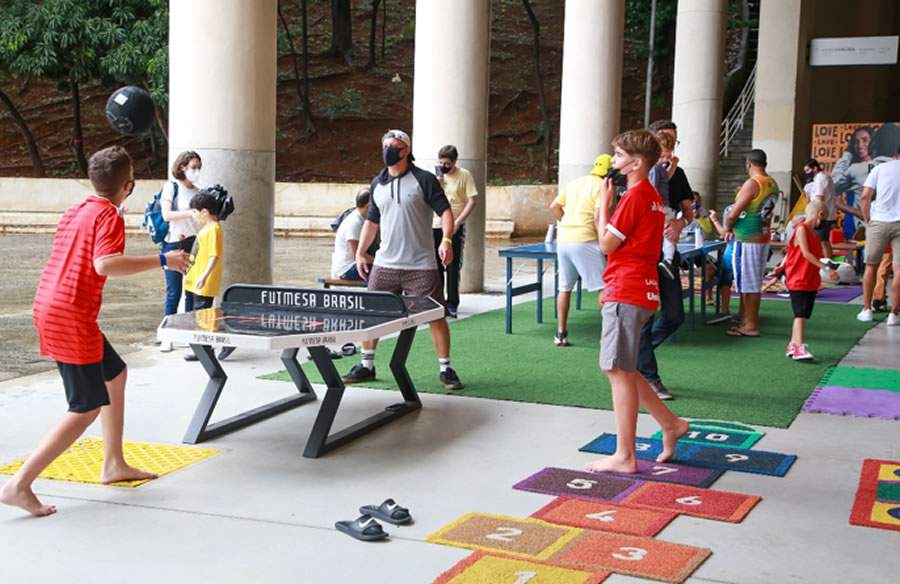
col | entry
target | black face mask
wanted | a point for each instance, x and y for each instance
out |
(618, 177)
(446, 168)
(808, 176)
(391, 155)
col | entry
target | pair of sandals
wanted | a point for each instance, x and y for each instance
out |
(347, 350)
(366, 526)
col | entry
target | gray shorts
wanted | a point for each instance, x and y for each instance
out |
(621, 337)
(879, 235)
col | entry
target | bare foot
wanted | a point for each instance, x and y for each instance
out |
(24, 499)
(614, 463)
(123, 472)
(670, 438)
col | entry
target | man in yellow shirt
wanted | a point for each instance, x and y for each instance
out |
(576, 207)
(459, 186)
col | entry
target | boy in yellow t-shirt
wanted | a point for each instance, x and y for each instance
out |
(204, 277)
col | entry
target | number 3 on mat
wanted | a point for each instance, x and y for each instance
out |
(505, 534)
(632, 554)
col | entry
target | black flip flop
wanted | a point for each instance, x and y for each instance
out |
(388, 511)
(363, 528)
(348, 349)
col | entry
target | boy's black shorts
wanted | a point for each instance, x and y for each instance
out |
(86, 384)
(802, 302)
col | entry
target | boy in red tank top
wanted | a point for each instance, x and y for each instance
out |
(88, 247)
(631, 238)
(801, 265)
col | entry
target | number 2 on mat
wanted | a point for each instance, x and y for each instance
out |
(524, 577)
(505, 534)
(632, 554)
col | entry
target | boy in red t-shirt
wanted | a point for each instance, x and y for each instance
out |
(89, 246)
(801, 266)
(631, 240)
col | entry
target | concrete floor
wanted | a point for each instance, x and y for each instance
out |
(260, 512)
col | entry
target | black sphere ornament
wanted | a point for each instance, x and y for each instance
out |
(130, 110)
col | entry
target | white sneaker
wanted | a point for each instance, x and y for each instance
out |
(165, 347)
(865, 315)
(894, 319)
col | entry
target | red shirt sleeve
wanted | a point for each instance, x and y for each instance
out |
(626, 216)
(109, 238)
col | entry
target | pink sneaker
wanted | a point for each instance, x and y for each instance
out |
(801, 353)
(791, 348)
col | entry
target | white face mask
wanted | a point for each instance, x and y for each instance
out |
(192, 174)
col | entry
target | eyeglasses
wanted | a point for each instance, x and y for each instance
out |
(677, 142)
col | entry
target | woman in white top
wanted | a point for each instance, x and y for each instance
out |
(182, 228)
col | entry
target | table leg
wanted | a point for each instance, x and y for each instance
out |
(703, 285)
(200, 430)
(509, 277)
(540, 290)
(693, 292)
(321, 440)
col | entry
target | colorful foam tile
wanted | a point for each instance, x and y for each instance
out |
(670, 472)
(868, 378)
(83, 461)
(512, 536)
(752, 461)
(867, 510)
(854, 401)
(482, 568)
(577, 483)
(636, 556)
(605, 516)
(706, 503)
(709, 435)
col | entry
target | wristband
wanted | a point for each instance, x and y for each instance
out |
(447, 240)
(162, 260)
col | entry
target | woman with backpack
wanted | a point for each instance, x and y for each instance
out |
(176, 210)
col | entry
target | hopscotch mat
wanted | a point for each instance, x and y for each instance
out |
(83, 461)
(877, 501)
(720, 457)
(482, 568)
(568, 547)
(705, 503)
(713, 433)
(605, 516)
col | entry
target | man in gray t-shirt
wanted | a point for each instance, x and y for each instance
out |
(404, 200)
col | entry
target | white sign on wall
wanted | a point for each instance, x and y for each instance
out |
(873, 50)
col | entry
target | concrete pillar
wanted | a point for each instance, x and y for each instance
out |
(222, 76)
(591, 96)
(780, 87)
(697, 91)
(450, 104)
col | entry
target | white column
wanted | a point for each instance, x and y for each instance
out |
(697, 91)
(779, 66)
(450, 105)
(222, 76)
(591, 83)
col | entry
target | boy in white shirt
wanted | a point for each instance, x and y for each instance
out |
(346, 241)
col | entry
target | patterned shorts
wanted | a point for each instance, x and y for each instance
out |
(409, 282)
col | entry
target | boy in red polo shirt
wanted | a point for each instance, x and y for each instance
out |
(801, 266)
(631, 240)
(88, 247)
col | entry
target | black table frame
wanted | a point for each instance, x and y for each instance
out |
(321, 439)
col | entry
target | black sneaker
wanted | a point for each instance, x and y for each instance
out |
(450, 379)
(359, 374)
(661, 391)
(666, 269)
(879, 305)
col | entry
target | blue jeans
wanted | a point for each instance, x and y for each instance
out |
(657, 330)
(174, 280)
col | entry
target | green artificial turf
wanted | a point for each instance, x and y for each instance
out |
(884, 379)
(712, 375)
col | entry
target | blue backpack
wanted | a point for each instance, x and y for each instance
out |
(153, 223)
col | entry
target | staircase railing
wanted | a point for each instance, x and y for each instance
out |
(734, 121)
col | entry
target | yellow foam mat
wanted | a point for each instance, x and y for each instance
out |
(82, 462)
